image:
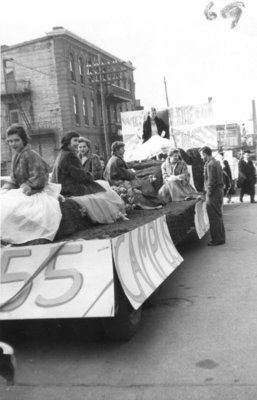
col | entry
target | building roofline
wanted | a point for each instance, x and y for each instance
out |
(60, 31)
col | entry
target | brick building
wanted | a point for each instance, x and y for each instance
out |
(61, 82)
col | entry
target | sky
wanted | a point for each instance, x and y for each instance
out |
(171, 39)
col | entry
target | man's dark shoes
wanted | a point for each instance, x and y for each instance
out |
(216, 243)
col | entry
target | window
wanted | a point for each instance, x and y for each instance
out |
(108, 113)
(76, 108)
(72, 67)
(85, 112)
(114, 113)
(9, 70)
(14, 116)
(81, 71)
(93, 111)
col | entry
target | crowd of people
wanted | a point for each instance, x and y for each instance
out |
(31, 200)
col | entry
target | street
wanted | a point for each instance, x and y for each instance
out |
(197, 339)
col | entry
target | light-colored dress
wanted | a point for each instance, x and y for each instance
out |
(37, 216)
(176, 179)
(103, 207)
(26, 218)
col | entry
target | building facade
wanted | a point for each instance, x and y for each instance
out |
(61, 82)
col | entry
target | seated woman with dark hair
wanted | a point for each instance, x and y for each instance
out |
(97, 199)
(29, 204)
(90, 161)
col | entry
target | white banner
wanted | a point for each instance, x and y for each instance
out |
(144, 258)
(201, 219)
(74, 279)
(132, 122)
(189, 137)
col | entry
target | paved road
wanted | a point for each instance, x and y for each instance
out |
(198, 341)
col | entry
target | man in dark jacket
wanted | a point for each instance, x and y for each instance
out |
(247, 179)
(116, 168)
(213, 187)
(154, 126)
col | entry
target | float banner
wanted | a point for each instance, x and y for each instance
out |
(132, 130)
(61, 280)
(201, 219)
(132, 123)
(144, 258)
(190, 137)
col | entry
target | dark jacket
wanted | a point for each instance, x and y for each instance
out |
(69, 172)
(246, 177)
(28, 169)
(116, 169)
(213, 176)
(161, 126)
(93, 165)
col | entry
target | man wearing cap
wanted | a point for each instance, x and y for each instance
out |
(213, 187)
(247, 179)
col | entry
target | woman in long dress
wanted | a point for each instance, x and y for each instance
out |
(29, 204)
(96, 198)
(176, 186)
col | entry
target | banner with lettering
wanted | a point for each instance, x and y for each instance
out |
(61, 280)
(193, 126)
(144, 258)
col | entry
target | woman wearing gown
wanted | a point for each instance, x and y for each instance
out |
(29, 204)
(176, 186)
(97, 199)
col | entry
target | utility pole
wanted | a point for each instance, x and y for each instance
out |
(254, 124)
(170, 120)
(166, 93)
(102, 74)
(106, 137)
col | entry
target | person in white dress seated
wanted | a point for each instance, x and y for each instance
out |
(30, 208)
(176, 186)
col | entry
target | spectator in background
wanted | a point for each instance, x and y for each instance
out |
(90, 162)
(214, 192)
(247, 178)
(154, 126)
(227, 177)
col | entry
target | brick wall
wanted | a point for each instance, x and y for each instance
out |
(35, 62)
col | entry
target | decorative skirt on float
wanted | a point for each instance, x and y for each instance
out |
(103, 207)
(26, 218)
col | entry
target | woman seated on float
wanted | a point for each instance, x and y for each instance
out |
(90, 161)
(176, 186)
(137, 192)
(97, 199)
(29, 204)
